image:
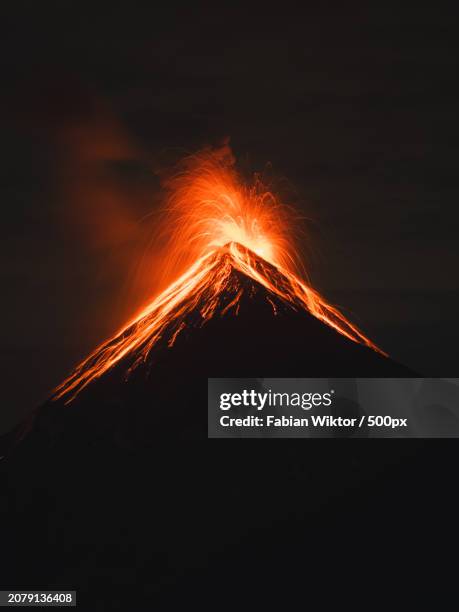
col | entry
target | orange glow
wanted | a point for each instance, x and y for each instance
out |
(219, 226)
(209, 206)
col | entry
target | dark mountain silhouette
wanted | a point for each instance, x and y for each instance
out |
(252, 331)
(117, 494)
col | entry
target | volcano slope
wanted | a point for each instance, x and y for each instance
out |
(111, 493)
(235, 316)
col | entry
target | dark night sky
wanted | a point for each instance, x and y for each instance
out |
(356, 108)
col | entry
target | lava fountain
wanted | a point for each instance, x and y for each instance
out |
(219, 225)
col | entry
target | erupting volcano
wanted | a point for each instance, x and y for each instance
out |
(233, 245)
(236, 303)
(107, 459)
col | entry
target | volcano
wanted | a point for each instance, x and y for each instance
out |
(232, 314)
(109, 483)
(235, 305)
(112, 482)
(117, 444)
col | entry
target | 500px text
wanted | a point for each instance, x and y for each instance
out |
(314, 421)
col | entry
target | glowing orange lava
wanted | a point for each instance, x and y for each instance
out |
(220, 225)
(209, 206)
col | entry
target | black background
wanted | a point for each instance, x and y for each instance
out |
(354, 105)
